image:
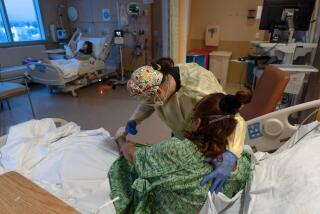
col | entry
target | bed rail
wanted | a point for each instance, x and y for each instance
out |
(270, 131)
(45, 74)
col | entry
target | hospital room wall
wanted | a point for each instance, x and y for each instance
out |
(49, 11)
(91, 23)
(236, 30)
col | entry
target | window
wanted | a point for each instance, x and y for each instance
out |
(22, 20)
(3, 35)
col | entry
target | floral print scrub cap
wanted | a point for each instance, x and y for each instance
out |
(144, 83)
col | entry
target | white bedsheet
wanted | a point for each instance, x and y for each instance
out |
(69, 67)
(287, 181)
(73, 67)
(69, 163)
(73, 165)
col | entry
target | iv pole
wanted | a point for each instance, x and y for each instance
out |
(122, 81)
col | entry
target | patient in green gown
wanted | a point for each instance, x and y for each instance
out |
(165, 177)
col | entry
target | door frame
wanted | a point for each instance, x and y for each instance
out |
(165, 27)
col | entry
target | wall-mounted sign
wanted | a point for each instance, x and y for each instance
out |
(106, 14)
(72, 14)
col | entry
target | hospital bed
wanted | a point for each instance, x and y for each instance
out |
(74, 166)
(69, 75)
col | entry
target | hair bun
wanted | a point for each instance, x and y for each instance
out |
(158, 67)
(229, 104)
(164, 65)
(155, 66)
(243, 97)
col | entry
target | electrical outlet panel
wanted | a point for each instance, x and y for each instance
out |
(254, 131)
(85, 30)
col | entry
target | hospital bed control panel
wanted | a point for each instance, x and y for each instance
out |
(254, 131)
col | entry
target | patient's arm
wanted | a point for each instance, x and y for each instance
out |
(46, 61)
(127, 148)
(81, 58)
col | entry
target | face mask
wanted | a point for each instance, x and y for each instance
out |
(160, 98)
(217, 118)
(156, 102)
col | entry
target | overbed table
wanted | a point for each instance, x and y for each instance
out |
(20, 195)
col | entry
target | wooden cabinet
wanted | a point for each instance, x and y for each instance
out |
(219, 65)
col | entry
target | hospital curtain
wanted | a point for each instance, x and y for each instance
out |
(312, 88)
(179, 29)
(314, 32)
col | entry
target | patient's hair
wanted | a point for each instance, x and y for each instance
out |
(89, 48)
(165, 65)
(212, 138)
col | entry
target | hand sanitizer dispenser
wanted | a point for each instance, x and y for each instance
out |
(212, 35)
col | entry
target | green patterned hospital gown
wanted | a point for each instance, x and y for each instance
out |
(165, 178)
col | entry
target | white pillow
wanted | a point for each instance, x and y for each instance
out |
(288, 181)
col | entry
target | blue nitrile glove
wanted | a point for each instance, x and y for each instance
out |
(222, 171)
(131, 127)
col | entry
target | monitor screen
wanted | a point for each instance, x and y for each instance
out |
(273, 9)
(118, 33)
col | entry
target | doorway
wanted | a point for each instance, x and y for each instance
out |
(160, 29)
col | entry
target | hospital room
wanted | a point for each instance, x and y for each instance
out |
(160, 106)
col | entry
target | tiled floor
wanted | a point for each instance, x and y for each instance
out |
(96, 106)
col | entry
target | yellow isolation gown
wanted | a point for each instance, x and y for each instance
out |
(196, 83)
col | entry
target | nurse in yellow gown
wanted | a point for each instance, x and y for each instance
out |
(172, 92)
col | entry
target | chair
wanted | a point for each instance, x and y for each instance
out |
(10, 89)
(267, 93)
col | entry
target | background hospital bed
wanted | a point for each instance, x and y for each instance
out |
(91, 71)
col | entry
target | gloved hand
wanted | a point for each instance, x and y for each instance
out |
(222, 171)
(131, 127)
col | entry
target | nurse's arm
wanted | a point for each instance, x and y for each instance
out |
(237, 138)
(142, 112)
